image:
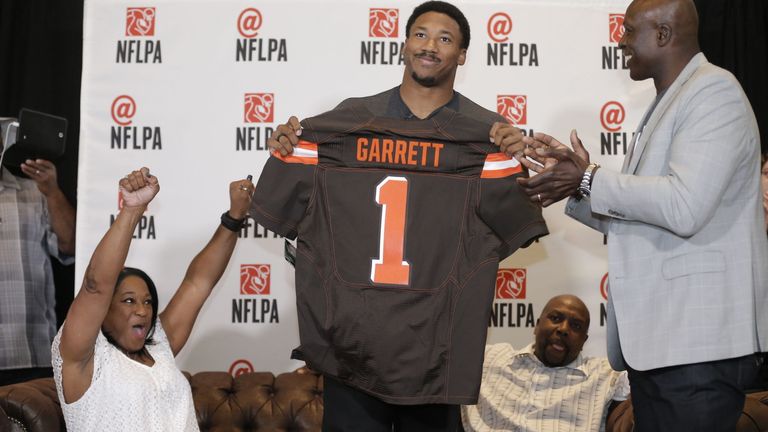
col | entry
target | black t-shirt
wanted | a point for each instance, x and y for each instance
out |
(401, 225)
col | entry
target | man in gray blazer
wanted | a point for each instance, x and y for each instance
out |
(687, 255)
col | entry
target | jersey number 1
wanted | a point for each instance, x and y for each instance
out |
(390, 268)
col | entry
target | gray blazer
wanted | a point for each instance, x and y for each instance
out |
(687, 251)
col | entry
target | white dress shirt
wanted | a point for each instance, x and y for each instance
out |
(520, 393)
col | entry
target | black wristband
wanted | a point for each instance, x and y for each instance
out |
(231, 223)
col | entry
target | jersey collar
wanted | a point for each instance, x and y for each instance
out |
(398, 109)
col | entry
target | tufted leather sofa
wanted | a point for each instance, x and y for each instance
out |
(259, 401)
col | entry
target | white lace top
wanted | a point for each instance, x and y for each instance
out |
(126, 395)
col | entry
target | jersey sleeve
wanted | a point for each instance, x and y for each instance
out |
(284, 190)
(504, 206)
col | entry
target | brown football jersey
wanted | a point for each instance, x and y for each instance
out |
(401, 226)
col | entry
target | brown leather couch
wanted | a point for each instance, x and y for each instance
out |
(259, 401)
(290, 402)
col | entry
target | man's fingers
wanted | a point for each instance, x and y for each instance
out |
(538, 195)
(576, 141)
(275, 145)
(531, 184)
(548, 140)
(39, 164)
(284, 138)
(286, 143)
(530, 165)
(545, 153)
(44, 164)
(293, 138)
(295, 124)
(531, 154)
(534, 143)
(512, 143)
(578, 146)
(544, 138)
(494, 132)
(38, 170)
(512, 148)
(505, 135)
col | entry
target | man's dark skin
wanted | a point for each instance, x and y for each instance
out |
(561, 330)
(432, 54)
(660, 39)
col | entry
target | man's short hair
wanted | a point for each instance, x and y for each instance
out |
(443, 8)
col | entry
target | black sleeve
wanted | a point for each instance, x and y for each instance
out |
(507, 210)
(282, 194)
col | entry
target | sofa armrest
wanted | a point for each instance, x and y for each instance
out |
(754, 417)
(755, 414)
(32, 406)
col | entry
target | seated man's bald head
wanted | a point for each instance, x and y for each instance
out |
(561, 330)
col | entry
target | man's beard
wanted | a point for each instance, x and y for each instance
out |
(424, 81)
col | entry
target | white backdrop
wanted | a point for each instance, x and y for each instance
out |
(192, 89)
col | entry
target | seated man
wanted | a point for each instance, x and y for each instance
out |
(548, 385)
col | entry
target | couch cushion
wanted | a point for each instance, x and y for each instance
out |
(258, 401)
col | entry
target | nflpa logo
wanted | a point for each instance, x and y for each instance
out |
(604, 287)
(240, 367)
(510, 283)
(615, 27)
(254, 279)
(612, 116)
(514, 108)
(383, 22)
(123, 109)
(140, 21)
(259, 107)
(499, 27)
(249, 22)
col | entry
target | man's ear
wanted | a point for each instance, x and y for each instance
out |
(462, 56)
(663, 35)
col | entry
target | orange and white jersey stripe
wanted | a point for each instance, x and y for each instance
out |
(498, 165)
(305, 153)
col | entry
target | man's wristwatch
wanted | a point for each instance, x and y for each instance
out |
(231, 223)
(585, 188)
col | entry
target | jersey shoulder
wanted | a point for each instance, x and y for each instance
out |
(471, 109)
(376, 104)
